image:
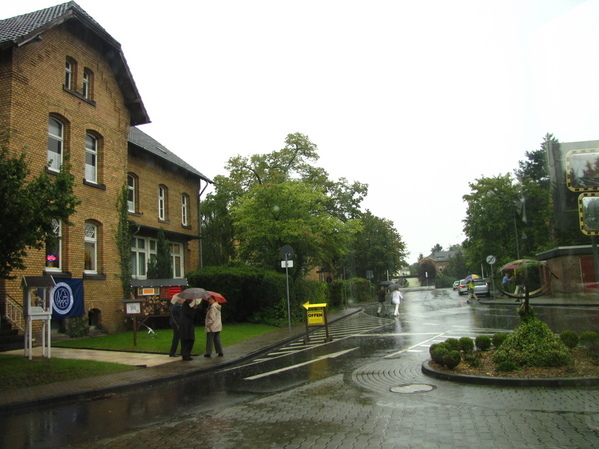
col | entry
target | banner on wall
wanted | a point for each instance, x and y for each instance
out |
(67, 299)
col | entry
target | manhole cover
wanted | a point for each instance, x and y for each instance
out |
(412, 388)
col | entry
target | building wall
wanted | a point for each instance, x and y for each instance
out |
(150, 174)
(34, 74)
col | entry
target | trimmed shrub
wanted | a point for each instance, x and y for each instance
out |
(452, 359)
(438, 354)
(498, 339)
(453, 343)
(483, 342)
(590, 341)
(569, 338)
(467, 344)
(533, 344)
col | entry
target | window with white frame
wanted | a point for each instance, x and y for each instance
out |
(185, 209)
(177, 260)
(54, 248)
(87, 83)
(91, 248)
(69, 69)
(162, 202)
(55, 143)
(91, 158)
(143, 250)
(131, 193)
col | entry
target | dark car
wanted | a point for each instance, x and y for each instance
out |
(481, 287)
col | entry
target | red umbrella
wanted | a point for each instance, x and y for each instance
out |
(217, 296)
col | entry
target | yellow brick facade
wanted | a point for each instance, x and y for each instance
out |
(32, 79)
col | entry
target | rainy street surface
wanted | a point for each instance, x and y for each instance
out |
(365, 389)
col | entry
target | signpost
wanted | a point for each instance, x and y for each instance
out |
(491, 261)
(316, 315)
(286, 254)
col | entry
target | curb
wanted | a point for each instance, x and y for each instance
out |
(158, 374)
(551, 382)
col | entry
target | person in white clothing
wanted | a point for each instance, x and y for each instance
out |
(396, 297)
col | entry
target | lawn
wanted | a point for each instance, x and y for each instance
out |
(160, 341)
(18, 371)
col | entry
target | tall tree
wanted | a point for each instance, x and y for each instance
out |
(437, 248)
(377, 247)
(29, 205)
(272, 215)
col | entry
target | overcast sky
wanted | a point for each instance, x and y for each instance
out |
(414, 98)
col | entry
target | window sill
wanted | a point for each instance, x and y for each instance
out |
(94, 184)
(189, 228)
(94, 276)
(58, 274)
(79, 96)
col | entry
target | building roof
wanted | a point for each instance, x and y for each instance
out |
(21, 30)
(141, 140)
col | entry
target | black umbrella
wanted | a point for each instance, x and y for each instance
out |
(385, 283)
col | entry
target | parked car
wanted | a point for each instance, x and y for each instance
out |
(456, 285)
(481, 287)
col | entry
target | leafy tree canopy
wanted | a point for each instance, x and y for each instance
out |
(29, 205)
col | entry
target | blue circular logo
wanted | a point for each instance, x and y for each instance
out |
(62, 298)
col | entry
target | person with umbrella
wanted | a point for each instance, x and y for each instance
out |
(186, 327)
(381, 296)
(213, 326)
(174, 323)
(505, 283)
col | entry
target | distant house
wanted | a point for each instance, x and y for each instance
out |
(66, 89)
(441, 259)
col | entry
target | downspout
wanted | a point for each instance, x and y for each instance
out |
(200, 238)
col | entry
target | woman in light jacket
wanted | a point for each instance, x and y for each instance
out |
(213, 327)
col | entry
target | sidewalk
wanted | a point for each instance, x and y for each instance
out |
(159, 367)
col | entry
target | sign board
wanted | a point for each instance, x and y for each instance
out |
(286, 252)
(315, 317)
(146, 291)
(133, 308)
(287, 264)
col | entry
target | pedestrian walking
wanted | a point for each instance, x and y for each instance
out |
(471, 293)
(505, 284)
(381, 298)
(213, 327)
(187, 328)
(174, 323)
(396, 298)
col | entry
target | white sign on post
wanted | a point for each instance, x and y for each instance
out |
(287, 264)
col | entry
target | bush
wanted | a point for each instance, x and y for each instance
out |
(483, 342)
(453, 343)
(438, 354)
(77, 327)
(507, 366)
(452, 359)
(533, 344)
(473, 360)
(467, 344)
(498, 339)
(569, 338)
(590, 342)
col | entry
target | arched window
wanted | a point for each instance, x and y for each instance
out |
(91, 248)
(54, 248)
(55, 143)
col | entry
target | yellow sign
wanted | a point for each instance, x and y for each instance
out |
(315, 317)
(308, 306)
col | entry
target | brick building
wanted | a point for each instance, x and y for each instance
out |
(66, 89)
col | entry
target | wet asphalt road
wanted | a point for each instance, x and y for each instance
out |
(364, 389)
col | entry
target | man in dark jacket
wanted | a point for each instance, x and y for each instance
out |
(186, 327)
(174, 322)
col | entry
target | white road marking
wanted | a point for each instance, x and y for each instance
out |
(287, 368)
